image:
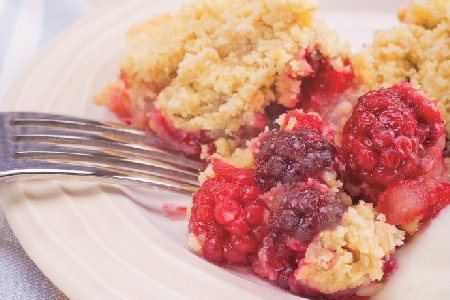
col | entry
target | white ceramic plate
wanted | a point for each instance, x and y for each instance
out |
(91, 240)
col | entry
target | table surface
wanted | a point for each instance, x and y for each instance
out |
(25, 27)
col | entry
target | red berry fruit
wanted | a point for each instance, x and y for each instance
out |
(227, 217)
(393, 134)
(403, 202)
(293, 156)
(302, 120)
(411, 199)
(299, 212)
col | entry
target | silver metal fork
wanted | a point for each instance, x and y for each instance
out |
(43, 146)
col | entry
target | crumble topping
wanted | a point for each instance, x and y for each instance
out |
(428, 14)
(352, 254)
(418, 50)
(213, 64)
(242, 158)
(194, 243)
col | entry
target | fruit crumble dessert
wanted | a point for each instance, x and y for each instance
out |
(321, 220)
(289, 217)
(218, 72)
(317, 174)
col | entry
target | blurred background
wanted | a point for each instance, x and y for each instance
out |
(26, 26)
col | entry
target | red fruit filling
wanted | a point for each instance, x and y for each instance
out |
(273, 112)
(393, 134)
(389, 268)
(439, 199)
(174, 212)
(119, 101)
(247, 132)
(287, 157)
(299, 212)
(227, 217)
(321, 90)
(188, 142)
(411, 199)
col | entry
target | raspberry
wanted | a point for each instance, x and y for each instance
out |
(393, 134)
(410, 199)
(227, 217)
(296, 119)
(299, 212)
(302, 120)
(288, 157)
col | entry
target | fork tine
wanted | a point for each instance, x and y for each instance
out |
(30, 169)
(74, 122)
(74, 155)
(113, 130)
(67, 137)
(24, 159)
(133, 136)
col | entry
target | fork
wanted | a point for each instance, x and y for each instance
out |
(51, 146)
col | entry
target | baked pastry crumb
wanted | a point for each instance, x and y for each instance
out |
(210, 70)
(417, 50)
(352, 254)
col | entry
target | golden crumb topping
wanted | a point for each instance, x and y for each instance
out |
(352, 254)
(215, 61)
(194, 243)
(241, 158)
(425, 13)
(207, 173)
(418, 50)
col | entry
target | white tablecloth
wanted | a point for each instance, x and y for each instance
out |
(25, 27)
